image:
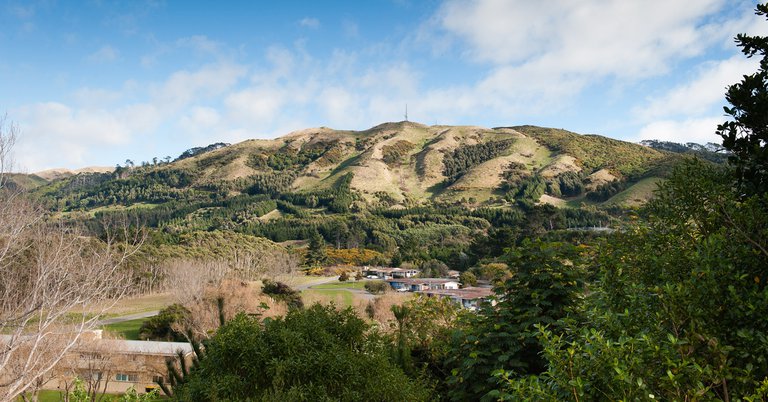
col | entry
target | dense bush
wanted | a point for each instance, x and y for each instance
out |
(162, 326)
(465, 157)
(317, 354)
(376, 287)
(282, 292)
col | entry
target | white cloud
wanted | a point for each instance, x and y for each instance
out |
(200, 119)
(55, 132)
(105, 54)
(616, 37)
(698, 130)
(308, 22)
(94, 97)
(702, 93)
(184, 87)
(255, 105)
(340, 106)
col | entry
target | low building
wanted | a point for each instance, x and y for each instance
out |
(389, 273)
(419, 284)
(114, 366)
(469, 297)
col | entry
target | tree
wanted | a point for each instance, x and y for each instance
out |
(316, 253)
(55, 283)
(161, 327)
(547, 282)
(746, 136)
(318, 353)
(467, 279)
(678, 308)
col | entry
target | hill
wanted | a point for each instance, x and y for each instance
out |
(398, 164)
(401, 189)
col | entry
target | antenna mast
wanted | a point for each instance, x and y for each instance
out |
(406, 112)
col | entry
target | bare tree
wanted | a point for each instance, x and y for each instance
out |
(8, 135)
(54, 283)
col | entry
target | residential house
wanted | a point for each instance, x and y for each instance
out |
(389, 273)
(419, 284)
(469, 297)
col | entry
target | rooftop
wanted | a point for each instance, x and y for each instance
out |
(469, 293)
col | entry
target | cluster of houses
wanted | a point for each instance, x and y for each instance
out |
(406, 280)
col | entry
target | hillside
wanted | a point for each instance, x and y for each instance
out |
(405, 163)
(407, 191)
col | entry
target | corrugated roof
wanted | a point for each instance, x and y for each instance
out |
(142, 347)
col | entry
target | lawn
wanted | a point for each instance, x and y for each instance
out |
(127, 329)
(58, 396)
(341, 297)
(340, 285)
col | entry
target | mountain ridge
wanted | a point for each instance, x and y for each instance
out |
(397, 164)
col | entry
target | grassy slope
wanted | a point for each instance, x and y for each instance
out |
(417, 175)
(637, 194)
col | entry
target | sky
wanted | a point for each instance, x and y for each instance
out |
(93, 83)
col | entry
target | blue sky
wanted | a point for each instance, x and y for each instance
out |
(98, 82)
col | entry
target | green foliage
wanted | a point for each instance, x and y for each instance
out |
(131, 395)
(467, 279)
(545, 285)
(271, 183)
(315, 354)
(376, 287)
(746, 135)
(282, 292)
(161, 326)
(528, 191)
(594, 152)
(678, 309)
(465, 157)
(316, 252)
(569, 184)
(606, 190)
(433, 269)
(392, 154)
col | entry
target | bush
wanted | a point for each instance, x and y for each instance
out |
(376, 287)
(160, 327)
(316, 354)
(344, 276)
(282, 292)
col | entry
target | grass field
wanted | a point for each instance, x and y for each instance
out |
(339, 296)
(637, 194)
(58, 396)
(127, 329)
(340, 285)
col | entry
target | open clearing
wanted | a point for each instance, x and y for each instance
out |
(127, 329)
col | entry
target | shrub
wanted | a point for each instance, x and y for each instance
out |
(376, 287)
(160, 327)
(282, 292)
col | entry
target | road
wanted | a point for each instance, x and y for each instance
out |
(128, 317)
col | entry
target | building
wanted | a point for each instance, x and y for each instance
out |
(469, 297)
(389, 273)
(419, 284)
(114, 366)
